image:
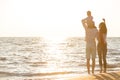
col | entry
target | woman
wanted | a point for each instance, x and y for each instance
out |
(102, 46)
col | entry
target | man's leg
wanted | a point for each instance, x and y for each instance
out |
(88, 58)
(93, 51)
(88, 65)
(93, 65)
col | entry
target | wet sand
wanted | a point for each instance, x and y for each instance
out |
(102, 76)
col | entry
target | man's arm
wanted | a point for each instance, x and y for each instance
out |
(84, 24)
(97, 36)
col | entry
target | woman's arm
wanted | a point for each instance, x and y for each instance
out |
(104, 38)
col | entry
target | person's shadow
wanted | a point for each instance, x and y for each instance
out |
(108, 76)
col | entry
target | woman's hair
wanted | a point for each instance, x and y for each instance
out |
(103, 28)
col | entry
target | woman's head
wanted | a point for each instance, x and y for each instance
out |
(102, 28)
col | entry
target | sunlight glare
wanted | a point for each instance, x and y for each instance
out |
(55, 39)
(55, 55)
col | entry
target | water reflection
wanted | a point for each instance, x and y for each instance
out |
(56, 57)
(49, 59)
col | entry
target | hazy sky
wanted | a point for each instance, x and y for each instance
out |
(56, 17)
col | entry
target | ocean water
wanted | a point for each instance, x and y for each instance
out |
(35, 58)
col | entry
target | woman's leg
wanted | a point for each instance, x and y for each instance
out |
(104, 58)
(100, 61)
(100, 57)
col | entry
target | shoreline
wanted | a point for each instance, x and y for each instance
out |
(100, 76)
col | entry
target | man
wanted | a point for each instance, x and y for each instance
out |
(91, 35)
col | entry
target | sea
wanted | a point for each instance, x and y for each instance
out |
(38, 58)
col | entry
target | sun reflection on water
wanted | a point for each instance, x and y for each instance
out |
(55, 54)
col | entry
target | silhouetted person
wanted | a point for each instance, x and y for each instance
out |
(91, 35)
(102, 46)
(89, 19)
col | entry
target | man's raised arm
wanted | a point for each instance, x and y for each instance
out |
(84, 24)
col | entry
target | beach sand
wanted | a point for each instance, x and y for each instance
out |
(102, 76)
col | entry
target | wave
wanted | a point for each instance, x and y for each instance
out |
(3, 74)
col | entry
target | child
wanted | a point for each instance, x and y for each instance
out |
(89, 19)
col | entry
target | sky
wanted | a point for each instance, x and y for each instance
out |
(56, 18)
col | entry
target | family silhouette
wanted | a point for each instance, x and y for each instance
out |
(92, 47)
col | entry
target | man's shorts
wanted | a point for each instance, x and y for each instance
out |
(90, 52)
